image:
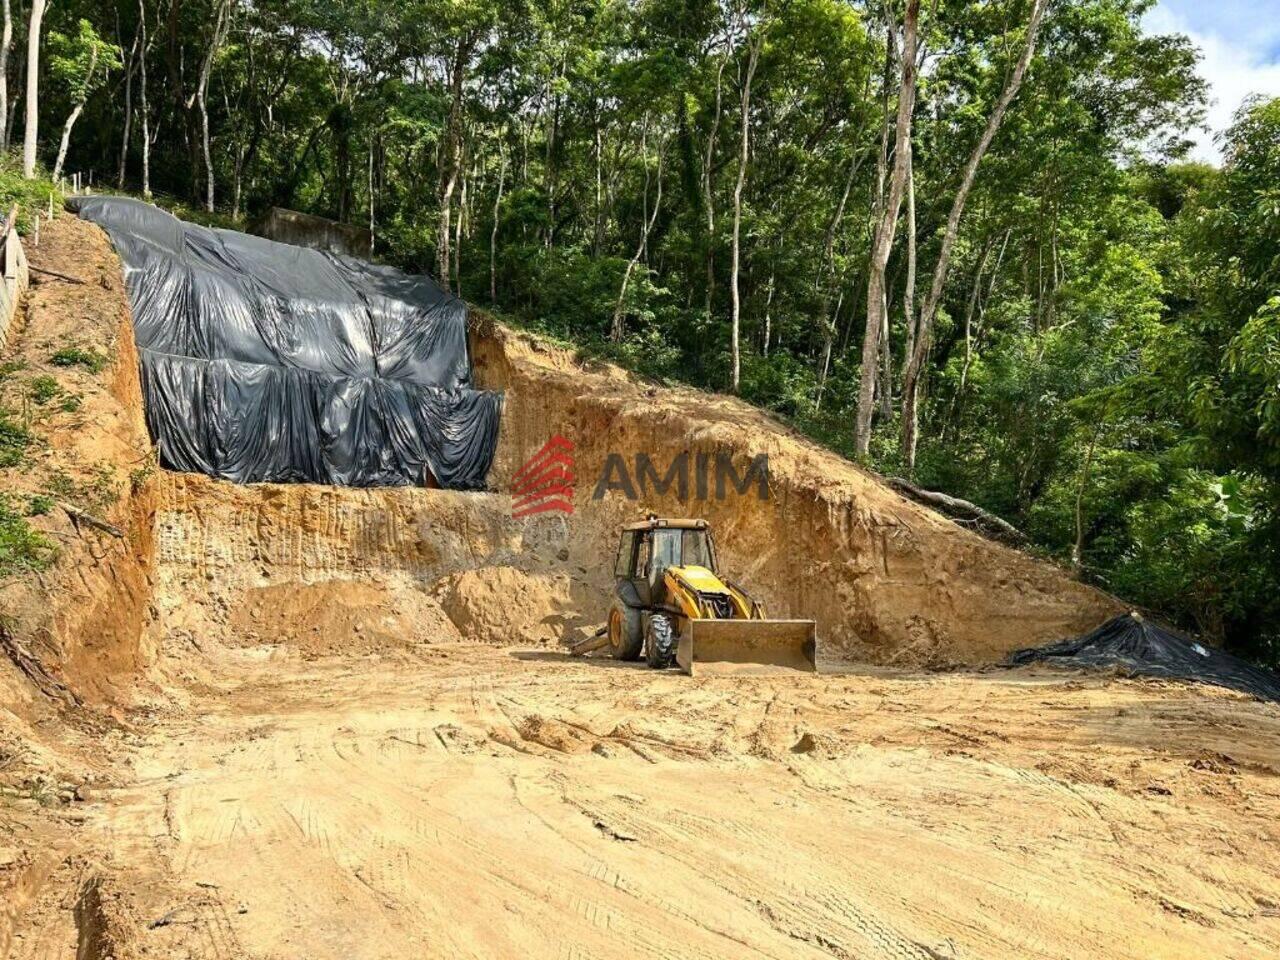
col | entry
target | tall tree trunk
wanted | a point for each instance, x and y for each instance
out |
(884, 390)
(883, 241)
(911, 380)
(827, 269)
(202, 90)
(31, 134)
(372, 221)
(708, 193)
(11, 121)
(340, 124)
(450, 160)
(768, 310)
(128, 114)
(457, 232)
(753, 57)
(142, 103)
(909, 292)
(493, 233)
(74, 115)
(598, 225)
(1077, 548)
(617, 330)
(6, 42)
(826, 355)
(237, 184)
(973, 334)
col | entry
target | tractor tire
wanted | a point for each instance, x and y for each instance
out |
(626, 640)
(660, 650)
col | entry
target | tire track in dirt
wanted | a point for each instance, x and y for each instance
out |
(477, 805)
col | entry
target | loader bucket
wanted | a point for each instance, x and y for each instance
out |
(748, 647)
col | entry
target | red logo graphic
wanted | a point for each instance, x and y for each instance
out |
(545, 482)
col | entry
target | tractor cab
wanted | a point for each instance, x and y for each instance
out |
(648, 548)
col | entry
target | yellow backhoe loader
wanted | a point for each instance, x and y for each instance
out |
(670, 604)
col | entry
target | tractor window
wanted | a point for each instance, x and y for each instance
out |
(622, 566)
(695, 550)
(644, 547)
(665, 553)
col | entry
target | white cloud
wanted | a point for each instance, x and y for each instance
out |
(1238, 59)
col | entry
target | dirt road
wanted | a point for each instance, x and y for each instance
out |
(481, 802)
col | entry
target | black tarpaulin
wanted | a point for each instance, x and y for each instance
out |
(263, 361)
(1145, 649)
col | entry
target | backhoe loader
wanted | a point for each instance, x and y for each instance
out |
(670, 604)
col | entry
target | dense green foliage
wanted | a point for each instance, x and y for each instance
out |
(21, 548)
(1104, 371)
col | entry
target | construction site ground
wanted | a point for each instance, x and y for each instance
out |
(486, 802)
(276, 721)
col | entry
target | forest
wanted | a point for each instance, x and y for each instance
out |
(957, 240)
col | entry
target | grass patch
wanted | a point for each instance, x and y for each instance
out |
(139, 476)
(43, 389)
(39, 505)
(191, 213)
(31, 196)
(91, 360)
(99, 491)
(21, 548)
(14, 439)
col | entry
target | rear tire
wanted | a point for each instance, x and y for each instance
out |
(626, 641)
(660, 650)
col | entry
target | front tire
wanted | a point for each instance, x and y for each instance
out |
(660, 648)
(626, 641)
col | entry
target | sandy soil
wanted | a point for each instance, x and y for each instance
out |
(482, 802)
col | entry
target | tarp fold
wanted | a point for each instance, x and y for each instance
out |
(263, 361)
(1135, 645)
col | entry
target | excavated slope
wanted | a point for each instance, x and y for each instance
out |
(82, 620)
(887, 580)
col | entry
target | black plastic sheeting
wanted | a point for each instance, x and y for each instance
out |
(263, 361)
(1131, 643)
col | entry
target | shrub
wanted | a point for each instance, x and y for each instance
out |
(91, 360)
(14, 439)
(39, 504)
(21, 548)
(43, 389)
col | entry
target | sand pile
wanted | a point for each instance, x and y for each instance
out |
(504, 605)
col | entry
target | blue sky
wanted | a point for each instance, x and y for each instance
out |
(1240, 46)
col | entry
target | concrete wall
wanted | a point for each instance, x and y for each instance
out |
(308, 230)
(16, 275)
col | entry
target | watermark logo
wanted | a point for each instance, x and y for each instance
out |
(697, 477)
(545, 482)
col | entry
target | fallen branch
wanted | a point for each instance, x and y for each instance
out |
(55, 273)
(34, 670)
(78, 516)
(949, 504)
